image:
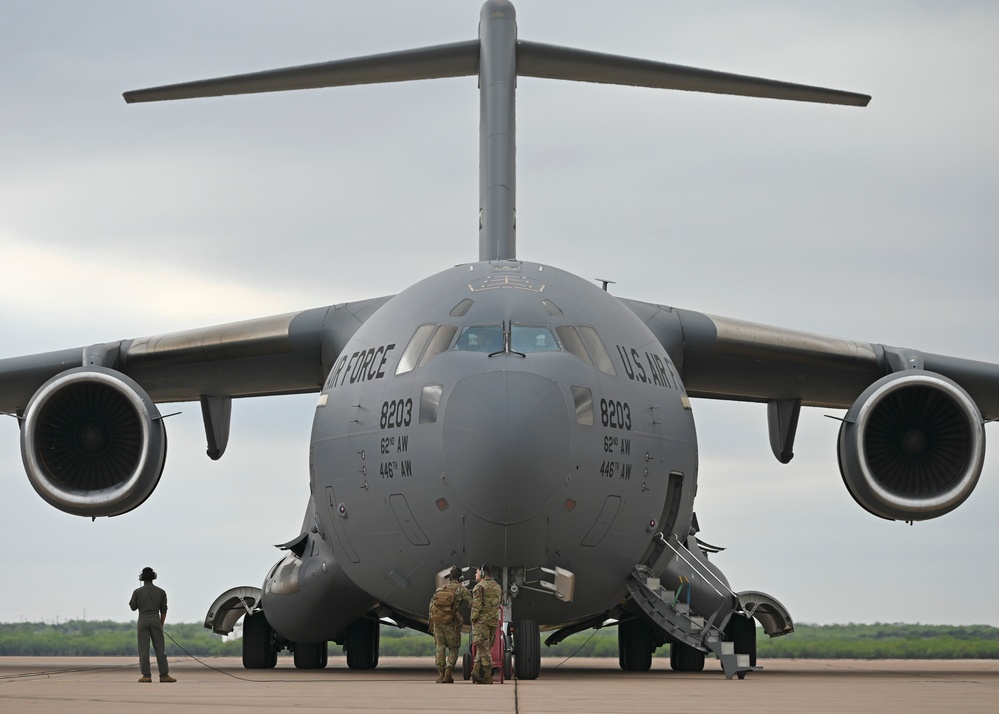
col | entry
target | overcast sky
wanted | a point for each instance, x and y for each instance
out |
(874, 224)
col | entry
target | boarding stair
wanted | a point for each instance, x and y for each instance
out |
(670, 610)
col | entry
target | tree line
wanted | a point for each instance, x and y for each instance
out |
(104, 638)
(93, 638)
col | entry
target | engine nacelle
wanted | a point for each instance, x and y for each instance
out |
(92, 442)
(912, 446)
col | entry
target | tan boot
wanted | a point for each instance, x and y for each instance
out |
(488, 678)
(448, 679)
(477, 673)
(440, 676)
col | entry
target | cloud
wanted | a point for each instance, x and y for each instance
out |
(878, 224)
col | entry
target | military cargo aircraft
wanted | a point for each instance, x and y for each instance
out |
(501, 411)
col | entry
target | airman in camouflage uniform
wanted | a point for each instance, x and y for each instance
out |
(486, 598)
(447, 635)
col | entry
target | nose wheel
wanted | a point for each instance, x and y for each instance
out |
(527, 649)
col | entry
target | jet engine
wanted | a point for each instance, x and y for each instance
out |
(912, 446)
(92, 442)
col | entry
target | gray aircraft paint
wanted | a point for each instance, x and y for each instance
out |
(506, 451)
(715, 357)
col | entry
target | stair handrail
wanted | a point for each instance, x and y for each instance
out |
(697, 570)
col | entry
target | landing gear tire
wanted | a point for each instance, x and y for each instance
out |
(258, 642)
(634, 645)
(361, 642)
(311, 655)
(741, 632)
(684, 658)
(527, 649)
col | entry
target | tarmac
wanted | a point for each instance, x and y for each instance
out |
(406, 684)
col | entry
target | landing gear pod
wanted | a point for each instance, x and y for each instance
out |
(912, 446)
(92, 442)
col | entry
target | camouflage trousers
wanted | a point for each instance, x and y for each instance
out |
(447, 638)
(484, 635)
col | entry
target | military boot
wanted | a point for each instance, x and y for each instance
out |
(448, 679)
(488, 676)
(477, 673)
(440, 675)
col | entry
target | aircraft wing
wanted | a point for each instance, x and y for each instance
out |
(92, 439)
(912, 443)
(724, 358)
(282, 354)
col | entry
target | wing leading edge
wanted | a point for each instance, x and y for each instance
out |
(724, 358)
(911, 445)
(282, 354)
(462, 59)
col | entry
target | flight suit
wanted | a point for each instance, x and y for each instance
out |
(151, 602)
(486, 599)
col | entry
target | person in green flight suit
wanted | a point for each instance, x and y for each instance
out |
(151, 602)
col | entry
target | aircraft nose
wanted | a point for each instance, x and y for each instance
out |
(506, 443)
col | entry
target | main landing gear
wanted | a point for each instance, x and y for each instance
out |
(259, 650)
(635, 645)
(311, 655)
(361, 641)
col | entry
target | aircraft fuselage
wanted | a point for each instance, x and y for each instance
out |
(506, 413)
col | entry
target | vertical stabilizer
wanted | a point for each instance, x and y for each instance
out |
(497, 57)
(497, 131)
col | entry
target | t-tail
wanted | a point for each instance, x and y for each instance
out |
(497, 58)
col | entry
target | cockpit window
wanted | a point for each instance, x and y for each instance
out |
(481, 338)
(438, 343)
(528, 338)
(597, 350)
(572, 343)
(412, 352)
(551, 308)
(462, 308)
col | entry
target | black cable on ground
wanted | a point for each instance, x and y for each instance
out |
(578, 649)
(67, 670)
(279, 681)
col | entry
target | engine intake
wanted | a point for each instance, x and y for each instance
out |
(92, 442)
(912, 446)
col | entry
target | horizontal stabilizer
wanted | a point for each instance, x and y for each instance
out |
(461, 59)
(535, 59)
(454, 60)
